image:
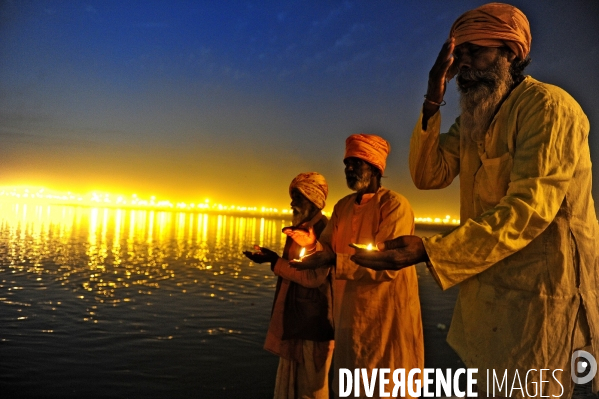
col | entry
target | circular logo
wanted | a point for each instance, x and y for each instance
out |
(583, 367)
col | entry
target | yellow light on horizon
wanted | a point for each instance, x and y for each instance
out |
(44, 196)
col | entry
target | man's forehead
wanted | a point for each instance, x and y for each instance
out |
(354, 160)
(467, 46)
(296, 193)
(473, 49)
(470, 47)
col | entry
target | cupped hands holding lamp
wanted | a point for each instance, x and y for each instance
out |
(525, 255)
(408, 250)
(311, 259)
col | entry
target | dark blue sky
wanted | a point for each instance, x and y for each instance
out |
(231, 99)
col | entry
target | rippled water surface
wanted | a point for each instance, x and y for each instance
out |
(108, 302)
(125, 303)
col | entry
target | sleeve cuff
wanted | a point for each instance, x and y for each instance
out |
(433, 124)
(435, 270)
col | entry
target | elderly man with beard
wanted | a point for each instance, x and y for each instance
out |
(300, 329)
(525, 255)
(377, 314)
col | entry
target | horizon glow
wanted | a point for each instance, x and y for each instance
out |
(44, 196)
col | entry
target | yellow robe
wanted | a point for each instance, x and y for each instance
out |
(525, 255)
(377, 314)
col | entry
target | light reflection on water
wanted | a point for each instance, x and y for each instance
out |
(99, 302)
(133, 302)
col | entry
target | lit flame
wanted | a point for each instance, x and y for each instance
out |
(302, 253)
(369, 247)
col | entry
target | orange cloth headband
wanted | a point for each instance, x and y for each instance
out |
(368, 147)
(494, 25)
(313, 186)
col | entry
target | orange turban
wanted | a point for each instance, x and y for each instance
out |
(368, 147)
(494, 25)
(313, 186)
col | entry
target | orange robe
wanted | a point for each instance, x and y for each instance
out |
(376, 313)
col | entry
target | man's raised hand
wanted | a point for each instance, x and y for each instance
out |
(440, 74)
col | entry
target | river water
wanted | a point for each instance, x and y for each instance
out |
(99, 302)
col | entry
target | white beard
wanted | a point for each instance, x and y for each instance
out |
(362, 183)
(479, 103)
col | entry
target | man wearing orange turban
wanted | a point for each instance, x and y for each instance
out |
(525, 255)
(301, 324)
(494, 25)
(368, 147)
(313, 186)
(377, 314)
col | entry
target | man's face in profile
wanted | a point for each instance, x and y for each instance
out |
(300, 206)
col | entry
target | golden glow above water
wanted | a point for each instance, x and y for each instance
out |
(42, 196)
(113, 256)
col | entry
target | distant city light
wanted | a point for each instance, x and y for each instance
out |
(428, 220)
(95, 199)
(45, 196)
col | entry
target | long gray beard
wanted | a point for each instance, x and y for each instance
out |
(479, 103)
